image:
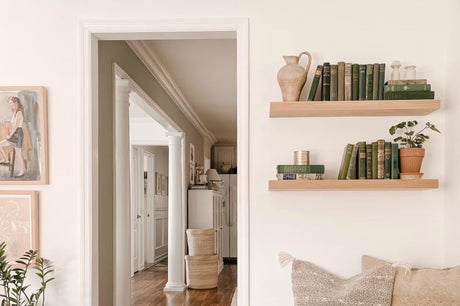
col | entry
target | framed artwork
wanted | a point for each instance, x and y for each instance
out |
(19, 222)
(145, 182)
(192, 174)
(192, 153)
(164, 187)
(23, 135)
(157, 183)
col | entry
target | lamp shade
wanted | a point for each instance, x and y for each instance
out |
(212, 175)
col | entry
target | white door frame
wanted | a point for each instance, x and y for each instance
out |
(91, 33)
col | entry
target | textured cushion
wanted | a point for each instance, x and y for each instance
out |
(421, 287)
(313, 285)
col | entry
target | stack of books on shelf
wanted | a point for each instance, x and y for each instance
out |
(300, 172)
(376, 160)
(347, 82)
(408, 90)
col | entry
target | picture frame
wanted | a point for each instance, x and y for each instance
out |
(19, 222)
(23, 135)
(192, 153)
(192, 174)
(157, 183)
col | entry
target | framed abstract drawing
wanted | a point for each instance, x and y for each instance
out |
(19, 222)
(23, 135)
(192, 153)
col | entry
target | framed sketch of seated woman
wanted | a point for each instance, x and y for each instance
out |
(23, 135)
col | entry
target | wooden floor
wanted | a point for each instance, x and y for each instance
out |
(147, 289)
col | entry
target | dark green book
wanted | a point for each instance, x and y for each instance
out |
(381, 81)
(374, 160)
(326, 79)
(362, 161)
(394, 161)
(362, 82)
(369, 81)
(341, 81)
(334, 80)
(409, 95)
(315, 83)
(351, 172)
(300, 168)
(387, 162)
(375, 88)
(355, 82)
(369, 161)
(345, 162)
(380, 159)
(409, 87)
(348, 82)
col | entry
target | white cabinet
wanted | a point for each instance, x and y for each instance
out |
(205, 211)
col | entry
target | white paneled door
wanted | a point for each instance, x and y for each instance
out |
(137, 211)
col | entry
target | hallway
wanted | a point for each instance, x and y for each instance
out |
(147, 289)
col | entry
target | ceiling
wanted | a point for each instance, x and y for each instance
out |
(205, 72)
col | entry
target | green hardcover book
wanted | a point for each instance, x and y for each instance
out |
(380, 159)
(369, 161)
(348, 82)
(369, 81)
(394, 161)
(408, 87)
(375, 88)
(409, 95)
(341, 81)
(300, 168)
(387, 163)
(319, 91)
(362, 161)
(326, 90)
(374, 160)
(362, 82)
(345, 162)
(334, 80)
(314, 84)
(381, 81)
(355, 82)
(351, 172)
(406, 82)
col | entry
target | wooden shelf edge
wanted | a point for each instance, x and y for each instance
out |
(279, 185)
(353, 108)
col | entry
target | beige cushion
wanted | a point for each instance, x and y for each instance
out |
(421, 287)
(314, 286)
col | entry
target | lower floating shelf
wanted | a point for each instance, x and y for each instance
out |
(352, 184)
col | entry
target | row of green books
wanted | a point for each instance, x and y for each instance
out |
(346, 81)
(376, 160)
(408, 90)
(299, 172)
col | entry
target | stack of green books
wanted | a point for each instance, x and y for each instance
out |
(346, 81)
(300, 172)
(408, 90)
(375, 160)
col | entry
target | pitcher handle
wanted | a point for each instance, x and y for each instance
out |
(309, 59)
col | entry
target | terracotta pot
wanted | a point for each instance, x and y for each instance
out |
(292, 77)
(410, 159)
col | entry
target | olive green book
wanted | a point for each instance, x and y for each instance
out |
(381, 81)
(375, 89)
(409, 95)
(394, 161)
(345, 162)
(369, 161)
(408, 87)
(369, 81)
(351, 172)
(362, 82)
(374, 160)
(300, 168)
(387, 163)
(348, 82)
(315, 83)
(334, 80)
(355, 82)
(326, 79)
(341, 81)
(362, 161)
(380, 159)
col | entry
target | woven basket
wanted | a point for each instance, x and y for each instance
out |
(201, 271)
(200, 241)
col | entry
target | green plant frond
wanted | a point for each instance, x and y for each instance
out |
(401, 125)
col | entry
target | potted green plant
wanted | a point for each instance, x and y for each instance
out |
(412, 153)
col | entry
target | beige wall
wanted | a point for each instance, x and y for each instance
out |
(119, 52)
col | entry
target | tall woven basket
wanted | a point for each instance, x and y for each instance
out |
(201, 271)
(200, 241)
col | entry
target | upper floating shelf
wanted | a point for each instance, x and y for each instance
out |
(352, 184)
(353, 108)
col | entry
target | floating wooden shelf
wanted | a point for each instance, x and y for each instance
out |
(353, 108)
(352, 184)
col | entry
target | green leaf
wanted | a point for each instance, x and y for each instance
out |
(401, 125)
(392, 130)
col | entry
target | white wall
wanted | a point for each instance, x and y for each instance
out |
(332, 229)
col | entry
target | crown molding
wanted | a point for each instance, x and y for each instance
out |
(158, 70)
